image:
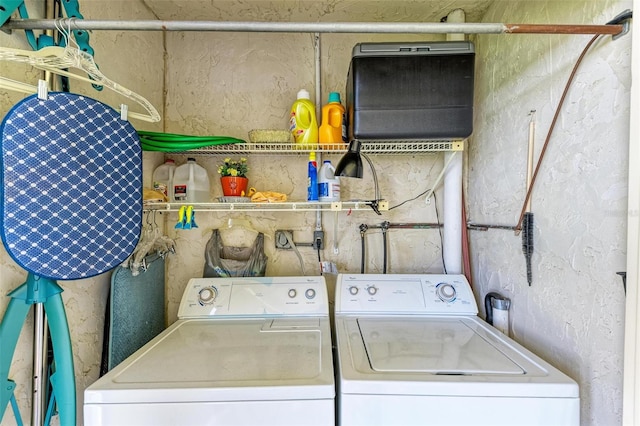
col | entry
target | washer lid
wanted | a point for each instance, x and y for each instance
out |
(225, 360)
(436, 346)
(440, 355)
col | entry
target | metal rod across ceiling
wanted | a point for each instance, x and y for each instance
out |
(310, 27)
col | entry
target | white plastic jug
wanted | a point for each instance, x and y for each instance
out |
(191, 183)
(163, 178)
(329, 183)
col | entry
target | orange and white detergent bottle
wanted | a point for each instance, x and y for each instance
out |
(333, 129)
(303, 123)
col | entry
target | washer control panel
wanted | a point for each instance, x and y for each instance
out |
(259, 296)
(398, 293)
(446, 292)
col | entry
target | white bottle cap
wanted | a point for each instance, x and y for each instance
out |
(304, 94)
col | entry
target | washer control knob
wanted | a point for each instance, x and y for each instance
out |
(446, 292)
(292, 293)
(310, 293)
(353, 290)
(372, 290)
(207, 295)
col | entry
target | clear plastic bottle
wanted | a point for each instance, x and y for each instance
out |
(333, 128)
(191, 183)
(163, 177)
(329, 183)
(303, 123)
(312, 182)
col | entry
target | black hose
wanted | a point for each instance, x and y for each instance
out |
(362, 253)
(487, 306)
(384, 252)
(385, 227)
(363, 230)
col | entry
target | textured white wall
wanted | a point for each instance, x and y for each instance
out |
(228, 84)
(573, 313)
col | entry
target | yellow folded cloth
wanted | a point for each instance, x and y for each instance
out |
(152, 196)
(268, 197)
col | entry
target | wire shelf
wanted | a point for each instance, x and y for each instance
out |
(388, 147)
(293, 206)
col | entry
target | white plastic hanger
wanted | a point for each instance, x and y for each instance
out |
(237, 223)
(241, 223)
(152, 240)
(18, 86)
(57, 59)
(235, 229)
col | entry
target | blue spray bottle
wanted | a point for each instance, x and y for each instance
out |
(312, 182)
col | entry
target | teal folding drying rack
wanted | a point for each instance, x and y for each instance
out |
(39, 290)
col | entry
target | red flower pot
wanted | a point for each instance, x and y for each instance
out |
(234, 186)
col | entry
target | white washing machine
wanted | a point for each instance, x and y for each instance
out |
(244, 351)
(412, 351)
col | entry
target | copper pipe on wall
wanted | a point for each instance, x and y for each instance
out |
(562, 29)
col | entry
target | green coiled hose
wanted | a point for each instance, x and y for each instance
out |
(169, 142)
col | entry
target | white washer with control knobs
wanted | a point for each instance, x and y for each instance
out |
(244, 351)
(411, 350)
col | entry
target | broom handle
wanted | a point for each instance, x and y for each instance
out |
(532, 129)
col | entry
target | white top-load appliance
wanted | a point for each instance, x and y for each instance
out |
(412, 351)
(244, 351)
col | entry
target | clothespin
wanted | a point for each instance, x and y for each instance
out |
(43, 90)
(186, 218)
(190, 218)
(124, 112)
(181, 217)
(191, 213)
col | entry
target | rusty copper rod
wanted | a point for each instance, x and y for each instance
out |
(562, 29)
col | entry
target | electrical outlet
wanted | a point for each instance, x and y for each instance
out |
(318, 240)
(282, 239)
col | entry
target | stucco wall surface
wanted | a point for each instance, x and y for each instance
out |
(572, 315)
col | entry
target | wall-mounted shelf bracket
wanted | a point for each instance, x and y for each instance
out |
(623, 19)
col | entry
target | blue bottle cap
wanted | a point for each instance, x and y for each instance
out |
(334, 97)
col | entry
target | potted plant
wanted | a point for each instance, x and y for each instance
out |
(233, 177)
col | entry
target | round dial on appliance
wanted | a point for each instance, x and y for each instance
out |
(446, 292)
(372, 290)
(207, 295)
(292, 293)
(353, 290)
(310, 293)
